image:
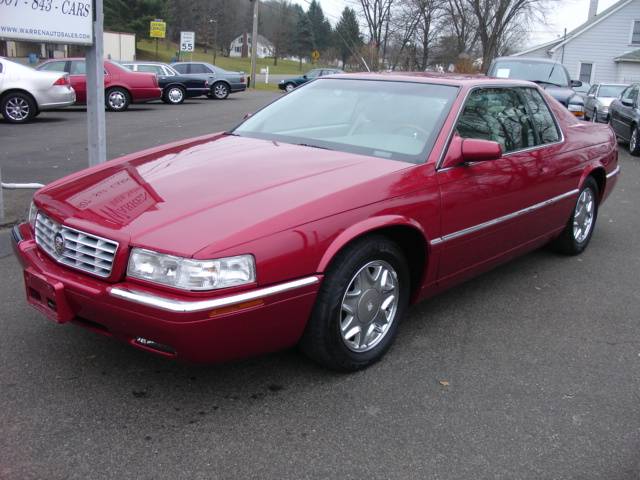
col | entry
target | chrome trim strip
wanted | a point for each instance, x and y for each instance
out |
(615, 172)
(495, 221)
(189, 306)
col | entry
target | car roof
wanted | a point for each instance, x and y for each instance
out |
(461, 80)
(142, 62)
(527, 60)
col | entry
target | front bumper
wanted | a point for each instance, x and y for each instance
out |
(194, 329)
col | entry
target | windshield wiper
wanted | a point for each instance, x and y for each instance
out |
(311, 146)
(547, 83)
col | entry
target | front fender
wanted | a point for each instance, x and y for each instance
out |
(362, 228)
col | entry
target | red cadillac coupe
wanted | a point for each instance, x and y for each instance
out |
(318, 220)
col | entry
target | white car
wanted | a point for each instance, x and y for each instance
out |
(25, 92)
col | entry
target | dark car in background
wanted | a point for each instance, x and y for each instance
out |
(549, 74)
(222, 82)
(122, 86)
(599, 99)
(624, 118)
(175, 87)
(290, 83)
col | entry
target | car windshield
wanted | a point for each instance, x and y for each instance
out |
(387, 119)
(550, 73)
(612, 91)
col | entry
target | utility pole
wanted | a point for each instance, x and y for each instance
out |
(254, 43)
(96, 129)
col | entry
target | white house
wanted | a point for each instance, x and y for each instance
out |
(606, 48)
(241, 46)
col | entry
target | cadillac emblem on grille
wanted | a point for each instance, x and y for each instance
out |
(58, 244)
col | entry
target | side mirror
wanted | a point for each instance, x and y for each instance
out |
(627, 102)
(575, 83)
(469, 150)
(591, 95)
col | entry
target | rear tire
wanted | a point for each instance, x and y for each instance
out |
(117, 99)
(577, 234)
(18, 107)
(289, 87)
(173, 95)
(220, 91)
(364, 295)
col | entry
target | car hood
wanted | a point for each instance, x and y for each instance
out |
(222, 192)
(564, 95)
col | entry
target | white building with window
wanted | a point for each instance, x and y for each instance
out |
(606, 48)
(241, 48)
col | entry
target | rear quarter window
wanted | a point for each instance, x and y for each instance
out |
(541, 116)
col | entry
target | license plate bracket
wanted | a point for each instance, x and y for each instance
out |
(47, 297)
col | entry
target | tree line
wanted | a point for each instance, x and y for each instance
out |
(398, 34)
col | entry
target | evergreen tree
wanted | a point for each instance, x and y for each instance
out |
(303, 41)
(320, 26)
(347, 38)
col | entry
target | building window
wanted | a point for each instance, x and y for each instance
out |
(635, 34)
(238, 49)
(586, 70)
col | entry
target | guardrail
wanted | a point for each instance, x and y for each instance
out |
(13, 186)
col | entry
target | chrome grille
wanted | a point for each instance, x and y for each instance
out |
(74, 248)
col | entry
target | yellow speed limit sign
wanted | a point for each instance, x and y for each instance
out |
(315, 55)
(158, 29)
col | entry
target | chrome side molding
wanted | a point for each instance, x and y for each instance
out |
(189, 306)
(496, 221)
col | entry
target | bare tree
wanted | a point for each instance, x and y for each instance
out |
(377, 14)
(496, 18)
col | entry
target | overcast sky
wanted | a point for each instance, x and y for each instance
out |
(567, 14)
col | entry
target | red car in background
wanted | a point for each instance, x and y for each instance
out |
(319, 219)
(122, 86)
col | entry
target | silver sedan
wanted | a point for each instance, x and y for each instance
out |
(25, 92)
(598, 100)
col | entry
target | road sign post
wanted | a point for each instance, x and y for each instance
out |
(96, 121)
(187, 41)
(157, 30)
(315, 56)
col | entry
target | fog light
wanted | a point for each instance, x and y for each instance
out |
(159, 347)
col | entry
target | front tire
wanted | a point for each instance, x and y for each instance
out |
(594, 118)
(634, 141)
(362, 300)
(18, 108)
(117, 99)
(174, 95)
(289, 87)
(577, 234)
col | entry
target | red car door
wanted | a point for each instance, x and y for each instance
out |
(78, 79)
(486, 206)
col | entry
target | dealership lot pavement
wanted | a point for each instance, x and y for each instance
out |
(531, 371)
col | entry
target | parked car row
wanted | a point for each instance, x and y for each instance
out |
(25, 92)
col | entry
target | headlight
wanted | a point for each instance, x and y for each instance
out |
(33, 213)
(189, 274)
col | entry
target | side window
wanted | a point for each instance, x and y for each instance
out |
(53, 67)
(631, 94)
(182, 68)
(129, 67)
(198, 68)
(157, 69)
(499, 115)
(78, 67)
(592, 90)
(313, 74)
(1, 67)
(541, 115)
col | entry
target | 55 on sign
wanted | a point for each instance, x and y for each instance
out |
(187, 41)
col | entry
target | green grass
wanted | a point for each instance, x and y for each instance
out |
(146, 50)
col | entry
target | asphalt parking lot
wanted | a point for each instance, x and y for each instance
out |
(531, 371)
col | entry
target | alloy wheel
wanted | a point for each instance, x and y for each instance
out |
(584, 215)
(289, 87)
(633, 142)
(221, 91)
(17, 109)
(369, 306)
